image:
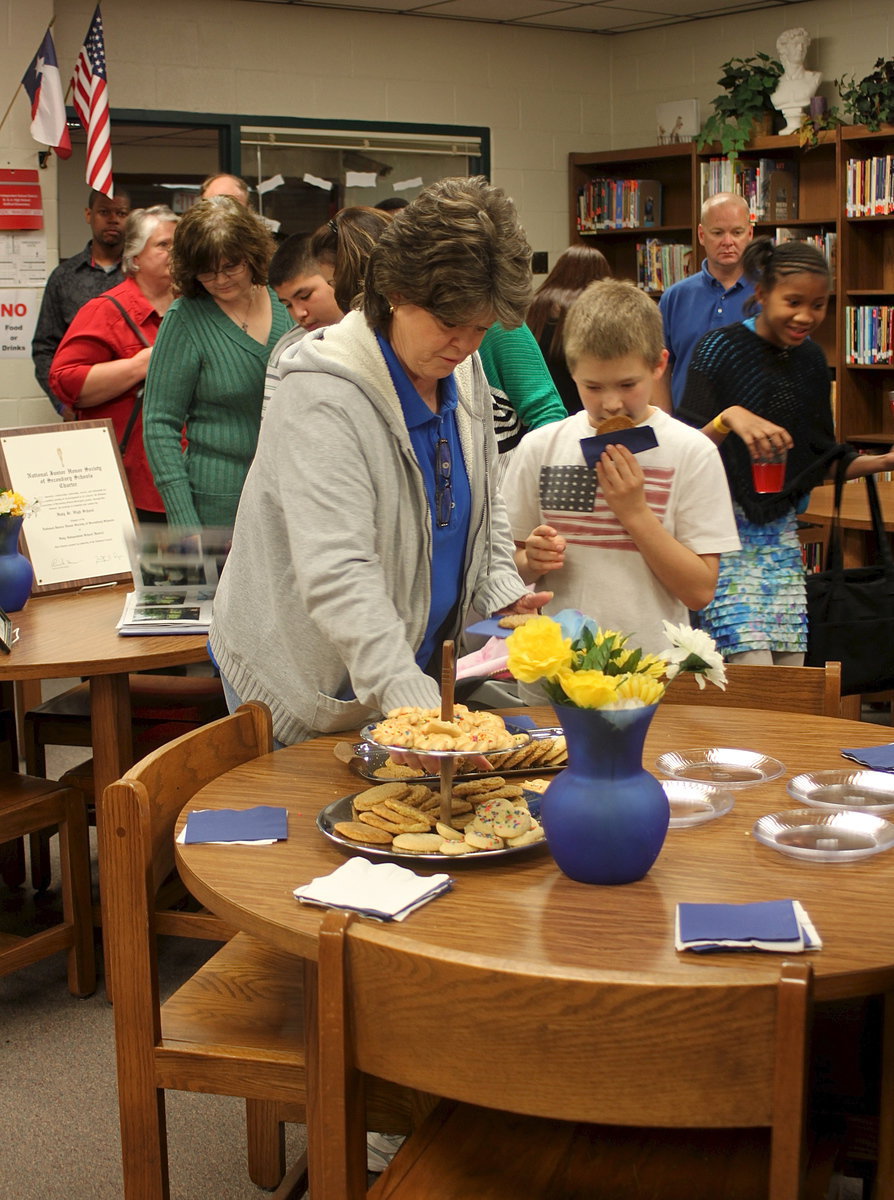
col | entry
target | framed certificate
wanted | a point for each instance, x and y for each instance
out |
(77, 534)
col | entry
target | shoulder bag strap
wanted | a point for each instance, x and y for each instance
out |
(138, 398)
(883, 549)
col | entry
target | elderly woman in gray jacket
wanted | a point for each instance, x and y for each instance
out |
(370, 524)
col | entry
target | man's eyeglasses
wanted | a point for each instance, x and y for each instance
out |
(443, 489)
(228, 272)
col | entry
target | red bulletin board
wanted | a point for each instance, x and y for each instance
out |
(21, 204)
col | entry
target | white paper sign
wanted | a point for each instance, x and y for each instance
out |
(408, 183)
(360, 179)
(23, 258)
(316, 181)
(18, 317)
(78, 532)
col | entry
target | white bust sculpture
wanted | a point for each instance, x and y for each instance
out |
(796, 86)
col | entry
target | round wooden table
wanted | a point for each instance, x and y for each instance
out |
(523, 911)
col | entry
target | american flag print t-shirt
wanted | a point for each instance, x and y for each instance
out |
(572, 502)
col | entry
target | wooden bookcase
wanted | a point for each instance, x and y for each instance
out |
(864, 268)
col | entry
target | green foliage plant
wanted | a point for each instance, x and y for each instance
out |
(871, 101)
(748, 84)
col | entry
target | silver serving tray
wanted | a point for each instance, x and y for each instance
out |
(825, 836)
(727, 768)
(694, 803)
(342, 810)
(853, 788)
(373, 756)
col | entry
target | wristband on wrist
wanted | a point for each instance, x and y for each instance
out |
(720, 425)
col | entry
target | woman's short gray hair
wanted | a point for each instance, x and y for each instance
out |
(138, 229)
(457, 251)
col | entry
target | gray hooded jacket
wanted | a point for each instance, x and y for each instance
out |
(327, 587)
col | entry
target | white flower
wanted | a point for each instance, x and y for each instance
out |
(693, 650)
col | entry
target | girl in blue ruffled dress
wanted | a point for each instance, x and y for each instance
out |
(757, 389)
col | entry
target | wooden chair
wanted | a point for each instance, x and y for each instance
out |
(777, 689)
(162, 707)
(28, 806)
(529, 1065)
(236, 1027)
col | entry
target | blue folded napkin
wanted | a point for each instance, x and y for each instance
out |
(263, 823)
(520, 724)
(877, 758)
(776, 925)
(641, 438)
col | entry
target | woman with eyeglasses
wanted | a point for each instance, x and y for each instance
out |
(370, 523)
(202, 408)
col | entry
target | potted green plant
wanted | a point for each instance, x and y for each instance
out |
(871, 101)
(748, 84)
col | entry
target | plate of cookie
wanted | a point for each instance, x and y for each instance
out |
(400, 820)
(544, 749)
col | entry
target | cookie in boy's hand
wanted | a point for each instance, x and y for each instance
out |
(613, 424)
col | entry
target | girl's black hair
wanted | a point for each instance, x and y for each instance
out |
(765, 264)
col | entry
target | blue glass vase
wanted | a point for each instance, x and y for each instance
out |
(16, 575)
(604, 816)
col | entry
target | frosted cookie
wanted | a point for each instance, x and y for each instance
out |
(513, 825)
(449, 846)
(483, 841)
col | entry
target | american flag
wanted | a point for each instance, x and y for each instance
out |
(91, 101)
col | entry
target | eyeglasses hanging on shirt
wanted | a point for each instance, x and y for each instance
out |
(443, 488)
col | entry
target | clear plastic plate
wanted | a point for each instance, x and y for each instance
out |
(719, 765)
(825, 836)
(694, 803)
(863, 791)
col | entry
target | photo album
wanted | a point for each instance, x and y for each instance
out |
(175, 577)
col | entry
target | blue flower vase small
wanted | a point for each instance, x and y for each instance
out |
(16, 574)
(605, 817)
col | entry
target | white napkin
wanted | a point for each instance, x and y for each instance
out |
(383, 891)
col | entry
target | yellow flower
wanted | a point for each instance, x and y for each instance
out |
(537, 650)
(652, 665)
(640, 687)
(588, 689)
(13, 504)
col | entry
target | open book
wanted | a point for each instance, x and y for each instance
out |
(175, 575)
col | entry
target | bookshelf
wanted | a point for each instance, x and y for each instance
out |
(861, 245)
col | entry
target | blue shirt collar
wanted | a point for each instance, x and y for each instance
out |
(416, 411)
(740, 283)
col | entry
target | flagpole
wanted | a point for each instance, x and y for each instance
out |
(15, 94)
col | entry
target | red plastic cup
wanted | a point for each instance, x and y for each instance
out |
(768, 475)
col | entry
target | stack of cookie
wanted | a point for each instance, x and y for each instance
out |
(487, 814)
(542, 752)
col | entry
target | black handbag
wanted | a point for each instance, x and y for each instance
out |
(850, 610)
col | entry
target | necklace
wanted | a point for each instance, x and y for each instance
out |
(251, 300)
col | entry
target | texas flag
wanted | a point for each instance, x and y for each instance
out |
(44, 87)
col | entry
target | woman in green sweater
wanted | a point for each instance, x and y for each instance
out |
(202, 407)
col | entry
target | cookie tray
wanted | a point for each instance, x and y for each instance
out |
(342, 810)
(373, 757)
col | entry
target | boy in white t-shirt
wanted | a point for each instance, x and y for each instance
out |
(637, 540)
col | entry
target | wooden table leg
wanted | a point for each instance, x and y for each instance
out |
(884, 1184)
(112, 736)
(311, 1033)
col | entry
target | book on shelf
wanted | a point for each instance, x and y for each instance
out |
(770, 186)
(825, 240)
(659, 264)
(175, 574)
(619, 204)
(778, 190)
(870, 186)
(869, 334)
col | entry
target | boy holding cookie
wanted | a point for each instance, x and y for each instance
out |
(635, 539)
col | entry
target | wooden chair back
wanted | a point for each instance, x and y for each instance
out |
(815, 690)
(234, 1028)
(629, 1052)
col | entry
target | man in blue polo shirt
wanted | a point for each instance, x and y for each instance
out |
(713, 297)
